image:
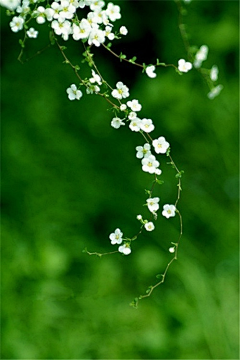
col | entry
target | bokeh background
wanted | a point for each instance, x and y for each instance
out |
(69, 179)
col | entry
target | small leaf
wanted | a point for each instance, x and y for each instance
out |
(21, 42)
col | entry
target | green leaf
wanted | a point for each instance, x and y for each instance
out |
(133, 59)
(21, 42)
(160, 63)
(179, 174)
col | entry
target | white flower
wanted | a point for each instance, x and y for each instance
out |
(56, 7)
(123, 107)
(149, 226)
(17, 23)
(32, 33)
(92, 89)
(95, 78)
(147, 125)
(116, 122)
(121, 91)
(168, 210)
(200, 56)
(41, 16)
(113, 12)
(82, 30)
(158, 172)
(67, 11)
(150, 71)
(10, 4)
(171, 249)
(132, 115)
(108, 33)
(134, 105)
(135, 124)
(160, 145)
(214, 73)
(74, 93)
(184, 66)
(96, 37)
(97, 4)
(143, 151)
(152, 204)
(139, 217)
(116, 237)
(49, 12)
(61, 26)
(215, 92)
(24, 9)
(150, 164)
(125, 249)
(123, 30)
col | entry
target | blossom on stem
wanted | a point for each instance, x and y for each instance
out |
(95, 78)
(32, 33)
(117, 122)
(74, 93)
(143, 151)
(123, 30)
(116, 237)
(184, 66)
(214, 73)
(215, 92)
(160, 145)
(135, 124)
(147, 125)
(82, 30)
(149, 226)
(113, 12)
(96, 37)
(121, 91)
(150, 71)
(200, 56)
(125, 249)
(134, 105)
(150, 164)
(41, 16)
(152, 204)
(168, 210)
(17, 23)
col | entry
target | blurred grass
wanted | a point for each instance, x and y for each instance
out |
(69, 179)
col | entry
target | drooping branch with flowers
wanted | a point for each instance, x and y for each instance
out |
(66, 21)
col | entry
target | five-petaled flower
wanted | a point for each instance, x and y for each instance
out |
(116, 237)
(149, 226)
(121, 91)
(168, 210)
(150, 164)
(160, 145)
(147, 125)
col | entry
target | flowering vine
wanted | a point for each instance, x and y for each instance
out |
(65, 19)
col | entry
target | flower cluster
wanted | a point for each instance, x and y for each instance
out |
(117, 238)
(95, 28)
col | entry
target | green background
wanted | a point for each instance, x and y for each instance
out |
(69, 179)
